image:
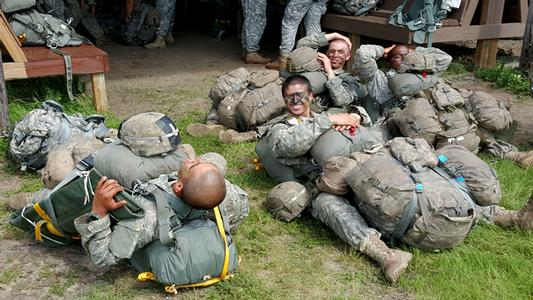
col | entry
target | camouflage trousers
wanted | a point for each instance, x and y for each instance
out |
(167, 10)
(343, 218)
(84, 18)
(310, 11)
(254, 23)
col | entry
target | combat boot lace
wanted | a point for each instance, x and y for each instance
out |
(392, 261)
(279, 64)
(231, 136)
(256, 58)
(198, 129)
(522, 158)
(522, 218)
(158, 43)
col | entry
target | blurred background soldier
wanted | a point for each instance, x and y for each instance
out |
(167, 10)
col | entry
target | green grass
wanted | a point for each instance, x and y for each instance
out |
(505, 78)
(302, 259)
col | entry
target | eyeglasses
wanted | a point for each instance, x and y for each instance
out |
(296, 98)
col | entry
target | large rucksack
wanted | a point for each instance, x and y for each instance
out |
(258, 106)
(422, 17)
(44, 128)
(142, 24)
(229, 83)
(354, 7)
(52, 219)
(489, 113)
(405, 194)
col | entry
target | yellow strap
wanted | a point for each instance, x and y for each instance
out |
(223, 275)
(48, 221)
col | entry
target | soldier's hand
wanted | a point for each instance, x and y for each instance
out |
(103, 201)
(387, 50)
(345, 119)
(337, 36)
(326, 64)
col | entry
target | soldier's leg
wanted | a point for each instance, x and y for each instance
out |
(278, 171)
(166, 9)
(502, 217)
(313, 17)
(344, 219)
(89, 22)
(252, 30)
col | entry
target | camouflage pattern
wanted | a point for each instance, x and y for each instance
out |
(287, 200)
(149, 134)
(415, 153)
(310, 11)
(431, 60)
(255, 19)
(343, 218)
(490, 113)
(84, 17)
(107, 247)
(354, 7)
(167, 10)
(333, 178)
(303, 59)
(366, 69)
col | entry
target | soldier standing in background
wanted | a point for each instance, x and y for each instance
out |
(167, 10)
(311, 12)
(252, 30)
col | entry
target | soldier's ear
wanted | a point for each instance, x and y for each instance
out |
(177, 188)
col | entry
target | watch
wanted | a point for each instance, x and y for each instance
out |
(93, 217)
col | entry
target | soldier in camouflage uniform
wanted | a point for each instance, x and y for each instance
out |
(311, 12)
(167, 10)
(84, 17)
(252, 29)
(342, 86)
(107, 245)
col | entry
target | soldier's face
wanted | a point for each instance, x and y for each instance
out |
(298, 100)
(338, 53)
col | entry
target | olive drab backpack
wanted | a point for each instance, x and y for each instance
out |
(52, 219)
(409, 194)
(354, 7)
(422, 17)
(141, 25)
(44, 128)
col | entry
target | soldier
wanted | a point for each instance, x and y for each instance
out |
(311, 12)
(199, 186)
(167, 10)
(341, 87)
(83, 15)
(252, 30)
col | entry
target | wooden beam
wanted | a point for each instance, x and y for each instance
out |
(99, 92)
(466, 20)
(14, 71)
(523, 10)
(356, 43)
(4, 109)
(10, 40)
(491, 13)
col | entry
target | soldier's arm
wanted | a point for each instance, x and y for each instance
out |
(314, 41)
(343, 91)
(294, 141)
(364, 65)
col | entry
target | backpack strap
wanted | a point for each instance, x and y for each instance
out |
(68, 71)
(166, 217)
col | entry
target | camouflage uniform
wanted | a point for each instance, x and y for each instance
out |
(83, 16)
(254, 23)
(343, 88)
(310, 11)
(167, 10)
(376, 81)
(107, 247)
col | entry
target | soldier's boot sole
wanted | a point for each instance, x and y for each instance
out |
(256, 58)
(198, 129)
(231, 136)
(395, 266)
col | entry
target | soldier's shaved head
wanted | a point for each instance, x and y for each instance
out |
(395, 56)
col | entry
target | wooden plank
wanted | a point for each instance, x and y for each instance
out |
(99, 92)
(491, 13)
(356, 43)
(14, 71)
(10, 40)
(4, 109)
(469, 13)
(523, 11)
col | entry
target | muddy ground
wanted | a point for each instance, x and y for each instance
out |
(174, 81)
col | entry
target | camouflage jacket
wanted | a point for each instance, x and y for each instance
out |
(107, 245)
(343, 88)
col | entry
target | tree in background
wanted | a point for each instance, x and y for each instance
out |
(526, 63)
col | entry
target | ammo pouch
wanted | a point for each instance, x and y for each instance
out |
(52, 219)
(416, 203)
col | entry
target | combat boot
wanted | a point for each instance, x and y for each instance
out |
(158, 43)
(392, 261)
(522, 218)
(279, 64)
(255, 58)
(231, 136)
(169, 39)
(521, 158)
(198, 129)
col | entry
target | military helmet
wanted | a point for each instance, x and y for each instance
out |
(303, 59)
(149, 134)
(287, 200)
